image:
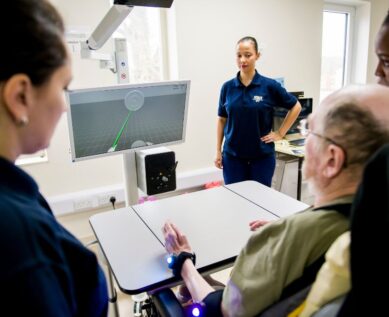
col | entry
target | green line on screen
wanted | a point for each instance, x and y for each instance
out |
(121, 130)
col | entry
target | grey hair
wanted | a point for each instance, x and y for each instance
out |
(356, 129)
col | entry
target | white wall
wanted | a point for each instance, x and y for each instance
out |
(207, 31)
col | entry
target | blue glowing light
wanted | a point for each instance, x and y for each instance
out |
(196, 311)
(170, 261)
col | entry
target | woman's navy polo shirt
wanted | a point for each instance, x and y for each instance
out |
(44, 269)
(249, 112)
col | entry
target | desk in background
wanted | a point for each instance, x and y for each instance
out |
(216, 222)
(292, 157)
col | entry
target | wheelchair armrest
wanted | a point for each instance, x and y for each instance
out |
(167, 304)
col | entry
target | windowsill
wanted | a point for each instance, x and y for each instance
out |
(38, 157)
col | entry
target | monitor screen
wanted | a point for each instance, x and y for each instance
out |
(280, 113)
(109, 120)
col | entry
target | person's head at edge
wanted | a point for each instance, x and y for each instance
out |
(34, 71)
(344, 134)
(247, 54)
(382, 51)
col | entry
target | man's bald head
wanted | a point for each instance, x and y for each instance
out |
(357, 117)
(373, 98)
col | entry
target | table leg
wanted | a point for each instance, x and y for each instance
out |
(112, 294)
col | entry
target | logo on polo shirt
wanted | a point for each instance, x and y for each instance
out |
(257, 98)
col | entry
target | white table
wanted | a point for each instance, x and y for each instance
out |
(216, 222)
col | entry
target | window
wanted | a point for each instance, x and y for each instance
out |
(144, 31)
(38, 157)
(336, 44)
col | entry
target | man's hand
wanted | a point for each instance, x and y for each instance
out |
(175, 241)
(254, 225)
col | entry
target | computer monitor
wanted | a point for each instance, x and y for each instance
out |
(280, 113)
(109, 120)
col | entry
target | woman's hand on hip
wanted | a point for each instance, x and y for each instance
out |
(272, 137)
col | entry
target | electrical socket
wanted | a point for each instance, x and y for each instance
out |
(84, 203)
(103, 199)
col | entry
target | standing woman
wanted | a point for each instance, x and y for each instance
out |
(246, 108)
(44, 270)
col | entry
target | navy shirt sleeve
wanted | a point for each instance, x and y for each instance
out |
(222, 112)
(282, 98)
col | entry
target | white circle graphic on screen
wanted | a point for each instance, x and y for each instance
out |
(134, 100)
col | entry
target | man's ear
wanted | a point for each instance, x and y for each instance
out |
(17, 97)
(335, 157)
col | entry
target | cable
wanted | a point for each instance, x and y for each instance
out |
(173, 168)
(112, 199)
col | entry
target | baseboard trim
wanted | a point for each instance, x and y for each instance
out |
(98, 198)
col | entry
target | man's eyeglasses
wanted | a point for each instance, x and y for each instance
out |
(303, 127)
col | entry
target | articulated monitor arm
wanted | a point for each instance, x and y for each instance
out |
(115, 16)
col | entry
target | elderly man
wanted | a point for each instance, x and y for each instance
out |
(344, 131)
(368, 232)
